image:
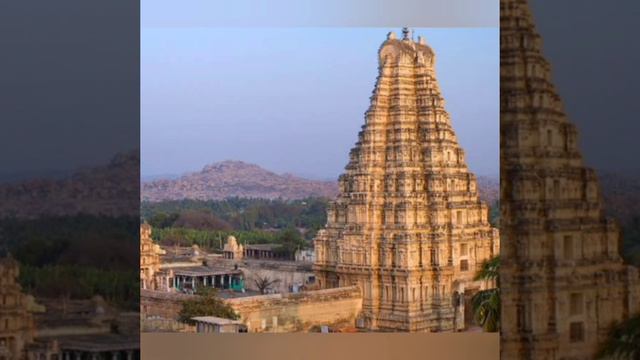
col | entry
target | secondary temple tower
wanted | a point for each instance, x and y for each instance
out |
(563, 282)
(149, 259)
(408, 226)
(16, 320)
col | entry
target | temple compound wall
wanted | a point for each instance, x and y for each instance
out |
(301, 311)
(160, 304)
(270, 313)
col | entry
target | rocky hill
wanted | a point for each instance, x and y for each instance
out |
(235, 179)
(239, 179)
(108, 190)
(489, 189)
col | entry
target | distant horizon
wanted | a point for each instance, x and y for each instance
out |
(171, 176)
(62, 173)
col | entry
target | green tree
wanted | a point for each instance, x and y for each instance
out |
(163, 220)
(623, 342)
(494, 214)
(291, 240)
(486, 303)
(206, 303)
(241, 213)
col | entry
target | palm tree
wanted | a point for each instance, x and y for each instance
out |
(623, 342)
(486, 303)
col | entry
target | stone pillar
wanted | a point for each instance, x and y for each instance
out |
(94, 356)
(129, 354)
(114, 355)
(78, 355)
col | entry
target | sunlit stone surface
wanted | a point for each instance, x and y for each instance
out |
(407, 227)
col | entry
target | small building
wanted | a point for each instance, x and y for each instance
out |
(190, 278)
(305, 255)
(92, 346)
(212, 324)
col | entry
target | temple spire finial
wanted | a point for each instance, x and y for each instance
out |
(405, 33)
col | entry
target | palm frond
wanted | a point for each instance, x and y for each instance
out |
(623, 342)
(486, 309)
(489, 270)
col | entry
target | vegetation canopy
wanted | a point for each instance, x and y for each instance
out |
(486, 303)
(206, 303)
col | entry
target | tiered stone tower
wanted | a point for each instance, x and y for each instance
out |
(407, 226)
(149, 258)
(16, 321)
(563, 282)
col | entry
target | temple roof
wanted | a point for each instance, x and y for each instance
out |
(406, 46)
(263, 247)
(205, 271)
(217, 320)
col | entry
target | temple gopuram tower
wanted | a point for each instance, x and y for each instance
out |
(16, 320)
(563, 282)
(149, 259)
(407, 226)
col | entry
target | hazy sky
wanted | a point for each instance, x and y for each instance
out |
(293, 99)
(69, 84)
(595, 58)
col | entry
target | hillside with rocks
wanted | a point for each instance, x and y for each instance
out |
(489, 189)
(229, 179)
(107, 190)
(235, 179)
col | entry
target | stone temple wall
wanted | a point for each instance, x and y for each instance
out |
(160, 304)
(301, 311)
(272, 313)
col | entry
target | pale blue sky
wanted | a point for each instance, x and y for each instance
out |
(292, 99)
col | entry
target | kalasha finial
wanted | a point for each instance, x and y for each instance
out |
(405, 33)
